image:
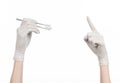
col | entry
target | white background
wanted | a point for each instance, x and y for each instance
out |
(60, 55)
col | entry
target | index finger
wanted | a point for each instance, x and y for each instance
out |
(91, 25)
(43, 26)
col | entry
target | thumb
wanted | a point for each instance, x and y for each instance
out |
(35, 30)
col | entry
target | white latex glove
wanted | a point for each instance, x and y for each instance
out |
(95, 42)
(24, 34)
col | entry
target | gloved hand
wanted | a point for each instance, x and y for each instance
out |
(95, 42)
(24, 34)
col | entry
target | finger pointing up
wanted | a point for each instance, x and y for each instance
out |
(91, 25)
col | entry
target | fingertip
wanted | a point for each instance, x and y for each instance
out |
(87, 17)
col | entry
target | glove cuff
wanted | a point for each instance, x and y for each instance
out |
(18, 56)
(103, 60)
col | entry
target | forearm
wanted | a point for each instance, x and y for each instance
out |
(17, 72)
(104, 74)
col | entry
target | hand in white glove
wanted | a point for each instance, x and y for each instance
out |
(96, 43)
(24, 33)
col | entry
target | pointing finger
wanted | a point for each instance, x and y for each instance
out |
(91, 25)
